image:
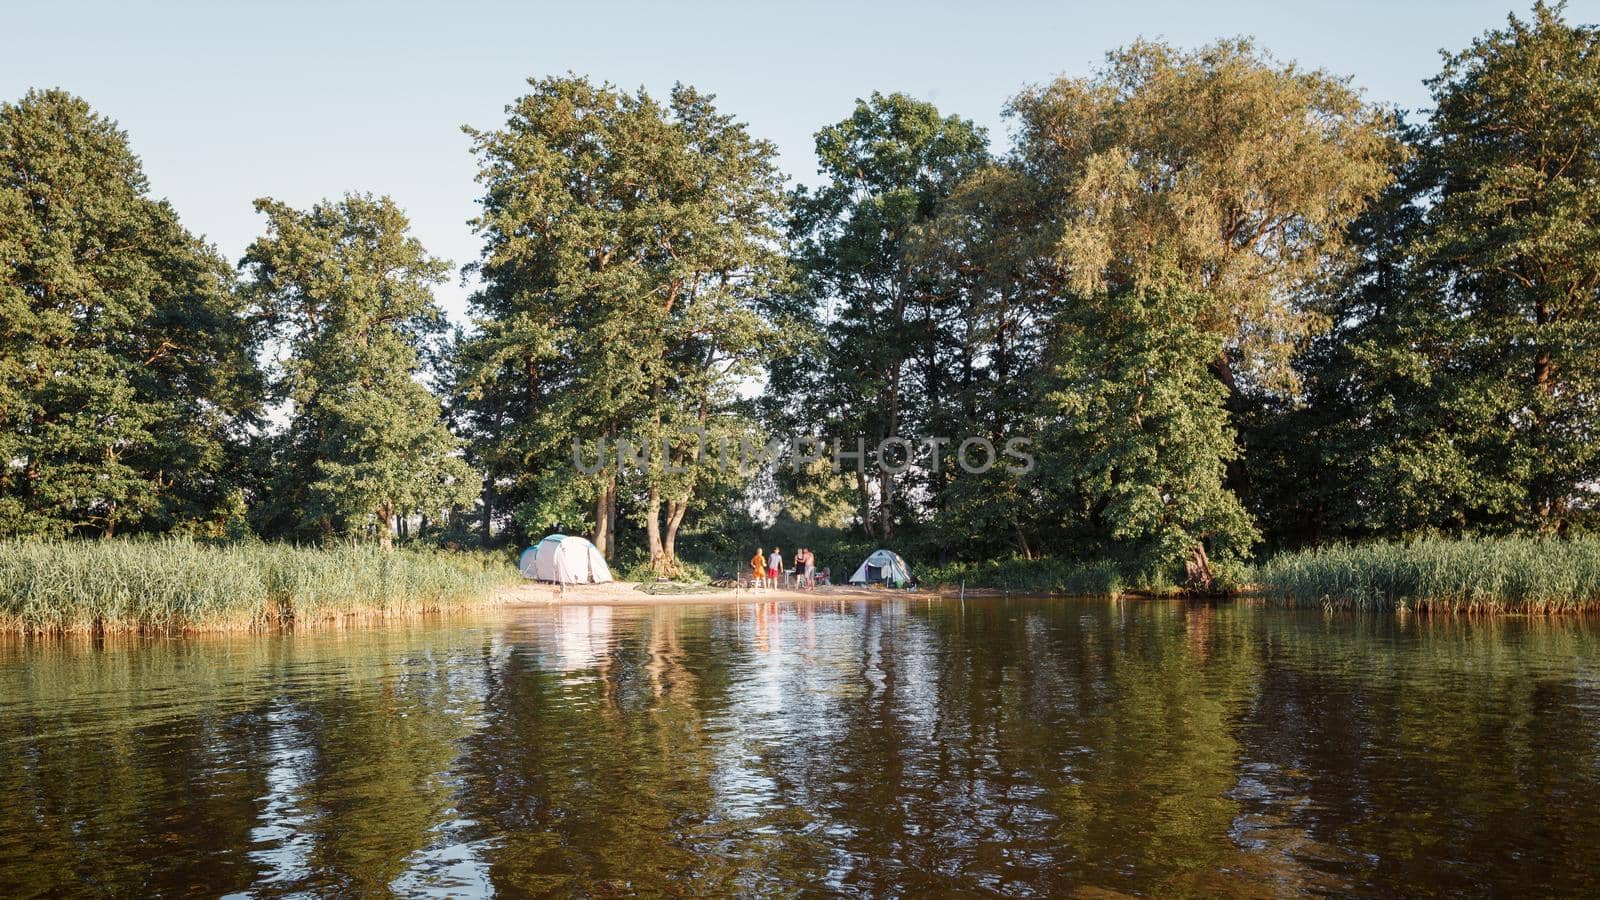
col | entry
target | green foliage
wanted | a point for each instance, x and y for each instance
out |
(1516, 575)
(351, 293)
(1460, 390)
(1141, 434)
(1221, 166)
(899, 337)
(636, 566)
(630, 253)
(182, 585)
(1511, 242)
(1229, 300)
(127, 375)
(1173, 208)
(1047, 575)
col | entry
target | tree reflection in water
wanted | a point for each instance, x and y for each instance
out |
(902, 746)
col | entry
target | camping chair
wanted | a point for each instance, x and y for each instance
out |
(823, 577)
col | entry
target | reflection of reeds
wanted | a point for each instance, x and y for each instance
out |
(1521, 575)
(182, 585)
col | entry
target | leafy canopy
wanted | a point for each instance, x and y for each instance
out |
(350, 293)
(128, 384)
(631, 251)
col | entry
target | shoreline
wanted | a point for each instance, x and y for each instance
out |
(523, 595)
(627, 593)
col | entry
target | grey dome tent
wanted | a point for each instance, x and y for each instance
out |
(883, 566)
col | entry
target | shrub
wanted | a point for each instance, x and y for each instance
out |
(1049, 575)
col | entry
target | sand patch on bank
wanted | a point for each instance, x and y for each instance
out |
(627, 592)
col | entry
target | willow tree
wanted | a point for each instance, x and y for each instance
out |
(350, 293)
(1234, 172)
(128, 383)
(631, 248)
(1219, 178)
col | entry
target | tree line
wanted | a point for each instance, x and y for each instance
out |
(1232, 303)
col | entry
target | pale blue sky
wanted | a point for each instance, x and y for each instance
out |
(228, 102)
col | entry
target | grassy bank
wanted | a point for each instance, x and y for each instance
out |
(1515, 575)
(1030, 576)
(181, 585)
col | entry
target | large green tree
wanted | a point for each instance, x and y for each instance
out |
(128, 385)
(988, 251)
(899, 337)
(631, 251)
(350, 293)
(1141, 437)
(1511, 164)
(1458, 388)
(1187, 202)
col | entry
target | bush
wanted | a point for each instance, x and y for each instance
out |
(1049, 575)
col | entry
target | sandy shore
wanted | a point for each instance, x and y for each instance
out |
(627, 592)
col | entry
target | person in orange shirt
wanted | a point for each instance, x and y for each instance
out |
(758, 569)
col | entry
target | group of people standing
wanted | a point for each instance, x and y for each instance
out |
(766, 570)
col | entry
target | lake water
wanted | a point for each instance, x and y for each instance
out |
(909, 746)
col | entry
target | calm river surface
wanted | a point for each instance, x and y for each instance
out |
(902, 747)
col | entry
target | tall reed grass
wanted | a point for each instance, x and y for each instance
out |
(1517, 575)
(182, 585)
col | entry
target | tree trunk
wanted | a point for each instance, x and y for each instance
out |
(675, 513)
(611, 518)
(1198, 569)
(1022, 539)
(386, 527)
(1548, 507)
(662, 542)
(487, 526)
(1235, 475)
(866, 500)
(1541, 362)
(885, 503)
(886, 486)
(602, 519)
(652, 529)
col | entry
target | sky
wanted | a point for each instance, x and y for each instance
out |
(227, 102)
